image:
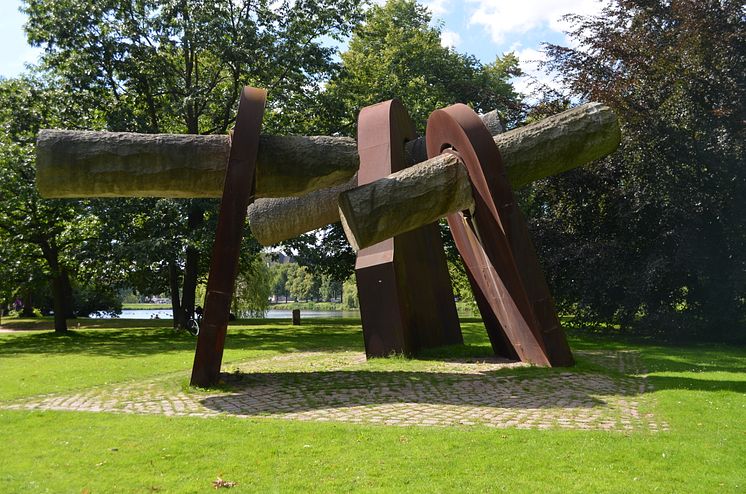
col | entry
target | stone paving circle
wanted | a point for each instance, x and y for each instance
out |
(340, 387)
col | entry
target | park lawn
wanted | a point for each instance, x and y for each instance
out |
(700, 391)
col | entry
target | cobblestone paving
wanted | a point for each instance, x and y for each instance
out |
(326, 386)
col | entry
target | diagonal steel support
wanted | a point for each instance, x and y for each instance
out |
(494, 243)
(238, 189)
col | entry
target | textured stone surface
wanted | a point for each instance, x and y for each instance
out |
(113, 164)
(110, 164)
(383, 209)
(405, 200)
(337, 386)
(558, 143)
(121, 164)
(275, 219)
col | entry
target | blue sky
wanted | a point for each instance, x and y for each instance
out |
(484, 28)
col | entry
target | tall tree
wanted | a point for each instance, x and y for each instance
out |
(397, 53)
(178, 67)
(46, 236)
(654, 235)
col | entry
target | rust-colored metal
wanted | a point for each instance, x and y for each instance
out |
(406, 298)
(238, 188)
(494, 243)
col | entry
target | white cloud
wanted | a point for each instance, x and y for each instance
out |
(502, 18)
(450, 39)
(530, 59)
(437, 7)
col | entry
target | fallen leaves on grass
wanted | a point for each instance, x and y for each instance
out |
(218, 483)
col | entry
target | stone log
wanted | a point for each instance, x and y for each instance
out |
(79, 164)
(548, 147)
(414, 197)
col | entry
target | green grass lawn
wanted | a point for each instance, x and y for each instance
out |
(700, 391)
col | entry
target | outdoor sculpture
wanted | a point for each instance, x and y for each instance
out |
(318, 171)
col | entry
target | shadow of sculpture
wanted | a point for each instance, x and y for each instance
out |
(294, 392)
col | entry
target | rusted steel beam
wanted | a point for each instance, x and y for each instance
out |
(405, 293)
(494, 243)
(237, 189)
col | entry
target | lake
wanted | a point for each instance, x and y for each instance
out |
(271, 314)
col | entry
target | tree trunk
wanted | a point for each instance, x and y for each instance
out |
(173, 280)
(191, 268)
(67, 293)
(58, 302)
(59, 279)
(28, 305)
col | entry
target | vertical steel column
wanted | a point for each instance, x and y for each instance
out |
(406, 298)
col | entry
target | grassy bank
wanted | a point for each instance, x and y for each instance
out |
(320, 306)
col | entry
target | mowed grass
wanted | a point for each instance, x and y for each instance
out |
(700, 391)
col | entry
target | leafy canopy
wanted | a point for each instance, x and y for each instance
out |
(654, 235)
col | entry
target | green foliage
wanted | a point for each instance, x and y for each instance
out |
(251, 296)
(349, 294)
(279, 280)
(397, 53)
(43, 240)
(653, 236)
(461, 286)
(94, 298)
(324, 252)
(289, 279)
(179, 67)
(302, 285)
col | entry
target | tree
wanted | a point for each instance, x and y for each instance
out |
(396, 53)
(178, 67)
(302, 285)
(654, 235)
(349, 294)
(279, 280)
(253, 288)
(46, 235)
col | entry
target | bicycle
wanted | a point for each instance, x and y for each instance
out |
(192, 324)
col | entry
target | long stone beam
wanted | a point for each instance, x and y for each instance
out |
(434, 188)
(80, 164)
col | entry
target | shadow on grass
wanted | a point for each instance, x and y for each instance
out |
(661, 383)
(142, 338)
(133, 337)
(293, 392)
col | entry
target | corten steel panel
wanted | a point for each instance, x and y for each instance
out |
(406, 299)
(495, 245)
(237, 190)
(498, 339)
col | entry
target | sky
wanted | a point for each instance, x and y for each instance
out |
(483, 28)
